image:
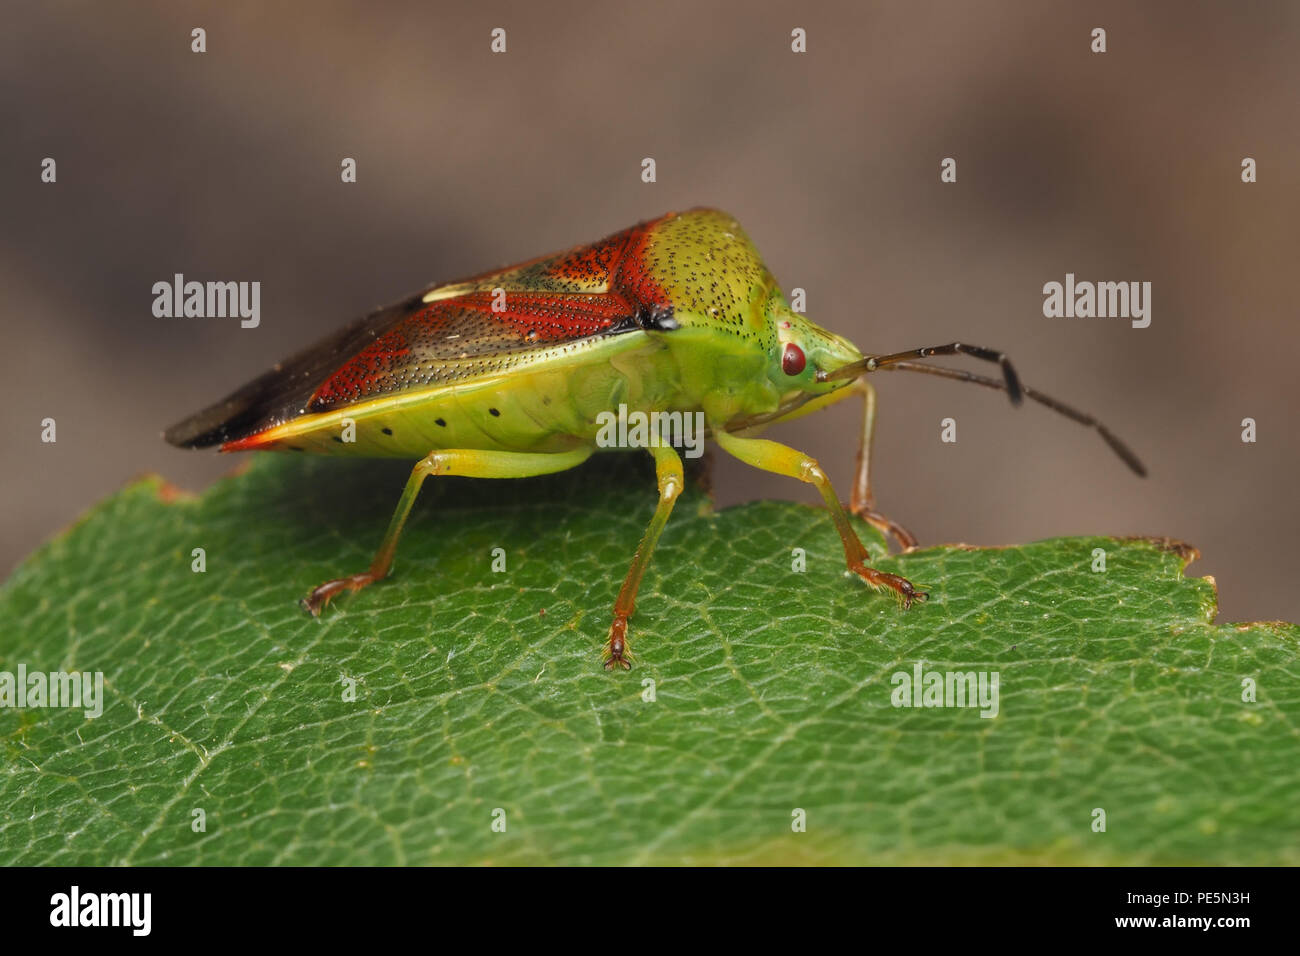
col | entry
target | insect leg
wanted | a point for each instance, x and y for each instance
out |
(668, 467)
(862, 502)
(774, 457)
(466, 463)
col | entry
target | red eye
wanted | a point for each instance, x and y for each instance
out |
(793, 359)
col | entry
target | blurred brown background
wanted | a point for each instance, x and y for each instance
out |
(1120, 166)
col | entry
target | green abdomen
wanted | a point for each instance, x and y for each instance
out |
(547, 408)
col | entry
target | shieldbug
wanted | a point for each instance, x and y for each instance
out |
(508, 374)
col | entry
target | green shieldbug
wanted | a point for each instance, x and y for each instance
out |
(511, 373)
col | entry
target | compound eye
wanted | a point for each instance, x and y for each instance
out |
(793, 361)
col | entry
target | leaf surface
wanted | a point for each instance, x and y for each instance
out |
(479, 695)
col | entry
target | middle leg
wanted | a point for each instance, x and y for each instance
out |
(668, 468)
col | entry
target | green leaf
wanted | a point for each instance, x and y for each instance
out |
(478, 691)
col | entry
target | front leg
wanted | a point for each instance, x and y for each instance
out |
(863, 502)
(778, 458)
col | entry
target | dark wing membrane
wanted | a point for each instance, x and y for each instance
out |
(283, 392)
(412, 345)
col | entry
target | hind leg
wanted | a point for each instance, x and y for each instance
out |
(464, 462)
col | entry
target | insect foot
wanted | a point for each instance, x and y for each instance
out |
(313, 603)
(617, 653)
(883, 579)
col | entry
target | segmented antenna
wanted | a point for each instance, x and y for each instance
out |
(1010, 383)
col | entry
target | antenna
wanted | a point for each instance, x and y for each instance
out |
(1010, 383)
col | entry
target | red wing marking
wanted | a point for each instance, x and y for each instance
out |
(437, 341)
(462, 336)
(605, 288)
